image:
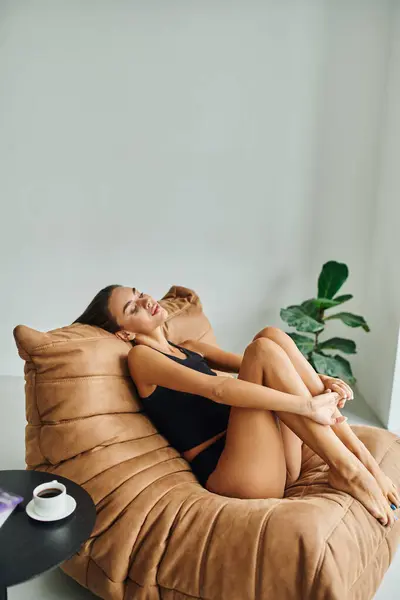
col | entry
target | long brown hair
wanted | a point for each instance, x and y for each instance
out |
(98, 313)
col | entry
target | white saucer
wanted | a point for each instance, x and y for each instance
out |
(70, 505)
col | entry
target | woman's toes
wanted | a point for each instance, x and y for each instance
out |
(390, 517)
(388, 522)
(383, 517)
(388, 512)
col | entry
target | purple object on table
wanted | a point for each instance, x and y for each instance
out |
(8, 501)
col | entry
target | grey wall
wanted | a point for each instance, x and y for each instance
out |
(229, 147)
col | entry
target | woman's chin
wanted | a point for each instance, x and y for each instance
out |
(159, 318)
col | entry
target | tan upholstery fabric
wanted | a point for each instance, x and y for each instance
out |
(159, 534)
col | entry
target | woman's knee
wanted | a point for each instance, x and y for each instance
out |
(272, 333)
(261, 347)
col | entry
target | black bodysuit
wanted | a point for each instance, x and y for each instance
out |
(186, 420)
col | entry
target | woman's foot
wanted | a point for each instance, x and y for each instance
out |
(362, 485)
(389, 490)
(387, 486)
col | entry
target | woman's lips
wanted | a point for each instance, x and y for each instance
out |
(156, 309)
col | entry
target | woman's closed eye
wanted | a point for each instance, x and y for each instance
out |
(136, 307)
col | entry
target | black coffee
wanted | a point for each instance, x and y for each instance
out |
(49, 493)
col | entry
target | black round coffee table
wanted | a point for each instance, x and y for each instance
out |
(29, 547)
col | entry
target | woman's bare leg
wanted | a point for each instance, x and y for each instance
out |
(252, 463)
(346, 472)
(342, 430)
(242, 470)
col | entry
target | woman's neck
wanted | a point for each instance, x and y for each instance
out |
(155, 340)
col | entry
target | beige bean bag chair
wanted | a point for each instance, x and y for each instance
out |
(159, 534)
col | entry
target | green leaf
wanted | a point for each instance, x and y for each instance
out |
(350, 320)
(331, 279)
(296, 317)
(341, 299)
(304, 343)
(335, 366)
(310, 308)
(324, 303)
(314, 306)
(337, 343)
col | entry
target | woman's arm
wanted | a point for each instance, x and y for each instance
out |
(216, 357)
(153, 368)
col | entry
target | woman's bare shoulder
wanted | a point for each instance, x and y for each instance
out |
(140, 350)
(150, 367)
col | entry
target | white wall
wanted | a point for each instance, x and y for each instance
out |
(347, 160)
(230, 147)
(380, 374)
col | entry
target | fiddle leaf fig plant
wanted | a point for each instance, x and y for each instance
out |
(310, 317)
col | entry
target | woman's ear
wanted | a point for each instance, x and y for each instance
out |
(125, 336)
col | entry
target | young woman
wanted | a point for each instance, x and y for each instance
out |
(242, 436)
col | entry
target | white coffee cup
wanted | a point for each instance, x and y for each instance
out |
(49, 499)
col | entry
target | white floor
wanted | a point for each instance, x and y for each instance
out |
(56, 584)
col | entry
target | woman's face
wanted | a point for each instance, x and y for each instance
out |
(134, 311)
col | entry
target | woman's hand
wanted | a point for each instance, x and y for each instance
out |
(339, 386)
(322, 408)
